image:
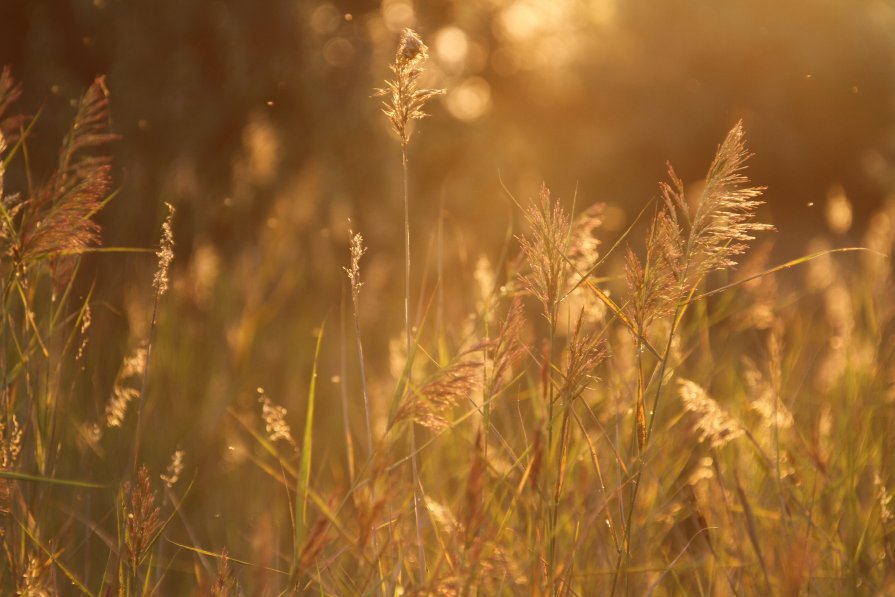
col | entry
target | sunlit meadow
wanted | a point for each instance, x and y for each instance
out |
(376, 374)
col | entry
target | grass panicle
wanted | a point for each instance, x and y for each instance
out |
(406, 105)
(406, 101)
(274, 417)
(712, 235)
(715, 426)
(142, 518)
(544, 247)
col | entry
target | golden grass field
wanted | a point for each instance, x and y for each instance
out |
(665, 407)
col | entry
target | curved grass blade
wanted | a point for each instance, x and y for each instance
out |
(230, 558)
(51, 480)
(304, 465)
(781, 267)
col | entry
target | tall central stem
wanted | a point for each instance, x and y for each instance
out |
(413, 462)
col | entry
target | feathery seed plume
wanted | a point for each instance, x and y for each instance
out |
(544, 248)
(165, 253)
(715, 426)
(406, 102)
(123, 392)
(714, 233)
(357, 251)
(175, 467)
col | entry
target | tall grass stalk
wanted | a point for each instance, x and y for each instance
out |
(357, 251)
(414, 464)
(165, 256)
(343, 392)
(406, 105)
(545, 248)
(684, 246)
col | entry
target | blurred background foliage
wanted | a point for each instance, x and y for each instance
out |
(255, 119)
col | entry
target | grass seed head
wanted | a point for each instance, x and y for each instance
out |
(406, 101)
(715, 426)
(357, 251)
(165, 253)
(430, 405)
(275, 421)
(544, 247)
(719, 228)
(35, 581)
(142, 520)
(124, 389)
(225, 583)
(175, 468)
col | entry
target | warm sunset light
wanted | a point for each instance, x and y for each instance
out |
(447, 298)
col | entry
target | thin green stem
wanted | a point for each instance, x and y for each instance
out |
(138, 432)
(550, 523)
(363, 382)
(662, 366)
(413, 460)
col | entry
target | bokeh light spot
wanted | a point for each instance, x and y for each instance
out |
(452, 47)
(338, 52)
(325, 19)
(469, 100)
(397, 14)
(838, 210)
(520, 21)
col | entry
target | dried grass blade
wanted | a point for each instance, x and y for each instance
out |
(620, 314)
(230, 558)
(53, 481)
(29, 316)
(781, 267)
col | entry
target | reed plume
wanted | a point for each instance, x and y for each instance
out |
(686, 244)
(587, 350)
(712, 235)
(654, 283)
(406, 105)
(54, 222)
(124, 389)
(715, 426)
(357, 250)
(429, 404)
(544, 247)
(406, 101)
